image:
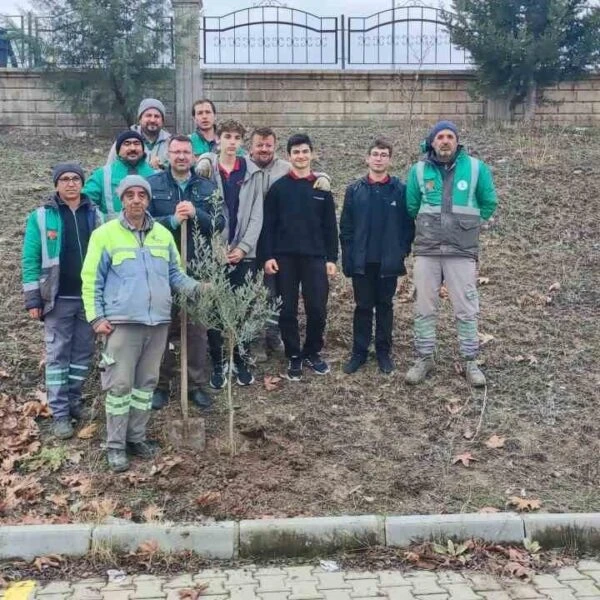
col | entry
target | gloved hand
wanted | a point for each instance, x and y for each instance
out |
(204, 167)
(323, 182)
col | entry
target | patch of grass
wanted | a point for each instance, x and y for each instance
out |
(48, 458)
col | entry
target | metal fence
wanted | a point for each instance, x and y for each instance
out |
(273, 35)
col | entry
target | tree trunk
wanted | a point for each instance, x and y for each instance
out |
(530, 103)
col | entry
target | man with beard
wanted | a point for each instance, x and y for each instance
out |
(449, 193)
(178, 194)
(151, 120)
(101, 187)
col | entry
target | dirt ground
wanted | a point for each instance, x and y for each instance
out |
(364, 443)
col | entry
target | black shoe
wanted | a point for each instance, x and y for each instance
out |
(294, 372)
(117, 460)
(244, 375)
(62, 428)
(81, 413)
(317, 364)
(160, 399)
(355, 363)
(386, 365)
(218, 379)
(199, 398)
(145, 449)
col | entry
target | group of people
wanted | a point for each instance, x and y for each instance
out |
(101, 257)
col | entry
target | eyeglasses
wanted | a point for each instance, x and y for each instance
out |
(67, 180)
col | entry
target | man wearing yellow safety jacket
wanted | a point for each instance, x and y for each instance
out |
(449, 193)
(128, 275)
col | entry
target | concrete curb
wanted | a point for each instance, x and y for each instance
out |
(300, 536)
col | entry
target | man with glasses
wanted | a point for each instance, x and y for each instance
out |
(178, 194)
(101, 187)
(54, 247)
(376, 232)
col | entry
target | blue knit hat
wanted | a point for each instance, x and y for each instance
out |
(128, 134)
(440, 126)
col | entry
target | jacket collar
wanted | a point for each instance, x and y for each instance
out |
(163, 135)
(431, 158)
(54, 201)
(148, 222)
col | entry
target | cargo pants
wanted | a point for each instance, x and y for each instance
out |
(129, 367)
(459, 275)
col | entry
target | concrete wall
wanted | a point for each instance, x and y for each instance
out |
(302, 98)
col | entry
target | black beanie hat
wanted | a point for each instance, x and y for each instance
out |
(66, 167)
(128, 135)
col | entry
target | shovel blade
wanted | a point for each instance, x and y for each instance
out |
(193, 437)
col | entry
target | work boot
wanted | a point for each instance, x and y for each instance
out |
(62, 428)
(199, 397)
(117, 460)
(82, 413)
(474, 374)
(355, 363)
(420, 369)
(386, 365)
(145, 449)
(160, 399)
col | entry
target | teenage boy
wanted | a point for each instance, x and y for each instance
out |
(240, 184)
(301, 248)
(376, 232)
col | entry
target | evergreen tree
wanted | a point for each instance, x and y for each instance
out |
(102, 55)
(522, 46)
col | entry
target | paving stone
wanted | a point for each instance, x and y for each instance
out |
(116, 594)
(364, 588)
(304, 573)
(595, 575)
(181, 581)
(584, 587)
(588, 565)
(332, 581)
(240, 577)
(547, 582)
(480, 582)
(305, 590)
(558, 594)
(522, 591)
(149, 589)
(501, 595)
(56, 596)
(398, 593)
(215, 587)
(420, 574)
(348, 575)
(570, 573)
(242, 592)
(426, 585)
(272, 583)
(433, 597)
(209, 574)
(269, 571)
(119, 586)
(273, 595)
(337, 594)
(392, 579)
(87, 591)
(460, 591)
(450, 577)
(55, 587)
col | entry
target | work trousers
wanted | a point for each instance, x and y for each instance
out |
(69, 350)
(373, 293)
(311, 273)
(129, 372)
(459, 275)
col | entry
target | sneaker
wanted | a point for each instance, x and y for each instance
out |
(294, 372)
(200, 398)
(317, 364)
(145, 449)
(218, 379)
(420, 369)
(117, 460)
(62, 428)
(386, 365)
(355, 363)
(474, 374)
(244, 375)
(160, 399)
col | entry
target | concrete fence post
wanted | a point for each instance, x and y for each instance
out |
(188, 74)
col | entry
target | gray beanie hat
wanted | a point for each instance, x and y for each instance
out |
(133, 181)
(148, 103)
(66, 167)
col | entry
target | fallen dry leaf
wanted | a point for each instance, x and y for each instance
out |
(489, 509)
(152, 513)
(77, 483)
(271, 382)
(35, 408)
(495, 441)
(454, 406)
(466, 458)
(148, 548)
(459, 368)
(88, 432)
(485, 338)
(165, 465)
(554, 287)
(59, 499)
(4, 374)
(517, 570)
(193, 593)
(468, 433)
(524, 504)
(42, 563)
(208, 498)
(483, 280)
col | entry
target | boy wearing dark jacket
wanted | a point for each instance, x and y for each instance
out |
(376, 233)
(300, 246)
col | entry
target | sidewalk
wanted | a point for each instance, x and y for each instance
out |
(313, 583)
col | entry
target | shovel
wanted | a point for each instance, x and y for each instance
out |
(186, 432)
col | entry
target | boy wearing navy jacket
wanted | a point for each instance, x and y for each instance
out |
(376, 233)
(299, 243)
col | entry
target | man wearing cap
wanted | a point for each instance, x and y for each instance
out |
(54, 247)
(151, 119)
(131, 160)
(128, 275)
(449, 193)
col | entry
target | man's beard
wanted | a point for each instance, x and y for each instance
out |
(151, 133)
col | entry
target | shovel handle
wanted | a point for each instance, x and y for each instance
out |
(184, 347)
